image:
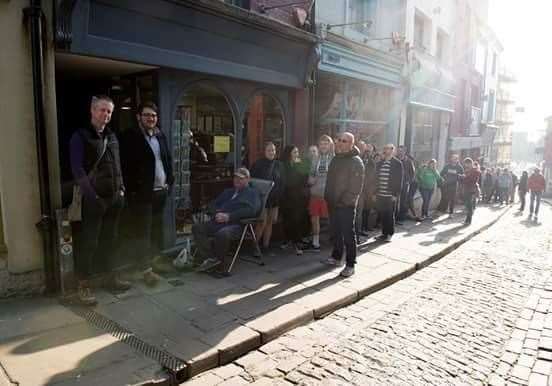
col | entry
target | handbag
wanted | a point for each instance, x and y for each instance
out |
(74, 211)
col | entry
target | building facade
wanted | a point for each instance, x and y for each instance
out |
(547, 157)
(430, 31)
(233, 74)
(501, 150)
(359, 79)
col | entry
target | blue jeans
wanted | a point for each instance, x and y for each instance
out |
(535, 196)
(426, 200)
(342, 222)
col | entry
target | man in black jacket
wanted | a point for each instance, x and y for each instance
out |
(343, 187)
(147, 169)
(389, 179)
(452, 174)
(96, 168)
(409, 178)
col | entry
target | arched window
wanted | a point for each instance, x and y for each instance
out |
(203, 140)
(263, 122)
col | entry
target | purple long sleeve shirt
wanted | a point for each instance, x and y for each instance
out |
(76, 148)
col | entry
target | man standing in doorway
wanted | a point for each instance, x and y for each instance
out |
(409, 179)
(452, 173)
(343, 188)
(389, 178)
(147, 169)
(94, 152)
(536, 185)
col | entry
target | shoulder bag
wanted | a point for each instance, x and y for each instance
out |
(74, 211)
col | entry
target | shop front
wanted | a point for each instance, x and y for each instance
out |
(358, 93)
(429, 118)
(222, 81)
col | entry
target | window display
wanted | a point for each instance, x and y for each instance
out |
(203, 140)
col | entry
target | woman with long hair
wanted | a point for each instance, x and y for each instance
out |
(268, 168)
(295, 195)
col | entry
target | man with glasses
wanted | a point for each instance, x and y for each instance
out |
(389, 179)
(343, 187)
(148, 174)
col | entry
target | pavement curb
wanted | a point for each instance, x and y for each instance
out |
(301, 317)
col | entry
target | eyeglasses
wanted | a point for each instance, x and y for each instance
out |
(149, 115)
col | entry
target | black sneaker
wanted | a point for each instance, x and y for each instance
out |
(311, 248)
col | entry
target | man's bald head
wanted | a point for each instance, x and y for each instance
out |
(345, 142)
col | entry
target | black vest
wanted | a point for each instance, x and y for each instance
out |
(107, 180)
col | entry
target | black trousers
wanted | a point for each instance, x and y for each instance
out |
(146, 225)
(386, 210)
(522, 198)
(403, 202)
(98, 237)
(213, 240)
(293, 221)
(342, 222)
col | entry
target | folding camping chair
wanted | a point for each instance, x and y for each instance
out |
(264, 187)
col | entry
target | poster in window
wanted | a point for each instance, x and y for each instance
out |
(221, 144)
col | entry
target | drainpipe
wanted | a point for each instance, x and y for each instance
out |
(33, 15)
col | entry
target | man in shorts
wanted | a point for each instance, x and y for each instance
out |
(318, 208)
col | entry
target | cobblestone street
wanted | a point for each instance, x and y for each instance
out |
(477, 316)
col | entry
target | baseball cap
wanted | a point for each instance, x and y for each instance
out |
(242, 173)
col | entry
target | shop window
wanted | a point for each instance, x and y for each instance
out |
(422, 135)
(203, 142)
(263, 122)
(349, 106)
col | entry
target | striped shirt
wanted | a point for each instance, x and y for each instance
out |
(384, 180)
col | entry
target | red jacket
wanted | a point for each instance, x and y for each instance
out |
(536, 183)
(471, 179)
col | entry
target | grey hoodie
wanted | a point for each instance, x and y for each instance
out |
(319, 174)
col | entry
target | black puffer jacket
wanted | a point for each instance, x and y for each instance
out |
(107, 181)
(345, 180)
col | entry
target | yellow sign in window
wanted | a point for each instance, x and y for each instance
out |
(221, 144)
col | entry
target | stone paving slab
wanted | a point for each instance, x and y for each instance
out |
(76, 353)
(207, 322)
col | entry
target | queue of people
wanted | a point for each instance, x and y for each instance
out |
(342, 180)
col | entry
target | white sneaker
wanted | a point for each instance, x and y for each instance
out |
(331, 261)
(347, 272)
(208, 264)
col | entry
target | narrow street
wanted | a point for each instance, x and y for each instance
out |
(477, 316)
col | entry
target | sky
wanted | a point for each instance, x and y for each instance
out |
(523, 27)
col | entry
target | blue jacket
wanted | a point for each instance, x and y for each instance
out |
(246, 204)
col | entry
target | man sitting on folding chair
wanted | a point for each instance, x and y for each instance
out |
(214, 238)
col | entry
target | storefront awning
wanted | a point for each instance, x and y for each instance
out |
(344, 62)
(202, 36)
